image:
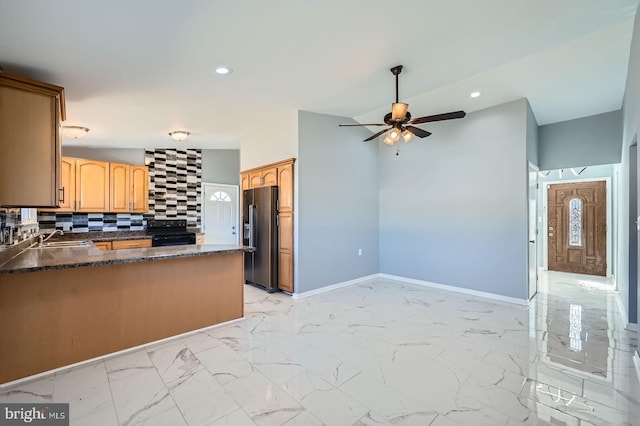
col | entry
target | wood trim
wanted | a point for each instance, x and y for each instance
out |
(59, 317)
(268, 166)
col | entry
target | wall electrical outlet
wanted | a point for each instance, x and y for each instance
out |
(359, 252)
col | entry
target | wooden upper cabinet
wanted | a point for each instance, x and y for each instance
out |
(285, 188)
(67, 191)
(270, 177)
(244, 181)
(30, 115)
(119, 188)
(263, 177)
(92, 186)
(255, 180)
(139, 178)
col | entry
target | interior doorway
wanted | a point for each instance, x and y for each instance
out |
(220, 213)
(577, 227)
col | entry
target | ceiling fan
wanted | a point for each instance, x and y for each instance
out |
(400, 121)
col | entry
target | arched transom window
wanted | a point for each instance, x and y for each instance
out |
(220, 196)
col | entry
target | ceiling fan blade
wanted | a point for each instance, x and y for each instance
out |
(438, 117)
(376, 135)
(352, 125)
(418, 132)
(399, 111)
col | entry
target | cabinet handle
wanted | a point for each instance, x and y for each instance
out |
(62, 191)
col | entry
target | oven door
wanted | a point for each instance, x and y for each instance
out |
(173, 240)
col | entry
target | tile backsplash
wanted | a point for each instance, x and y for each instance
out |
(175, 184)
(12, 228)
(87, 222)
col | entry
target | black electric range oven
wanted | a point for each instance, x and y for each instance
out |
(170, 233)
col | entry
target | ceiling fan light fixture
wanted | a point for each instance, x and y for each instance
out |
(399, 111)
(407, 136)
(394, 135)
(179, 135)
(388, 141)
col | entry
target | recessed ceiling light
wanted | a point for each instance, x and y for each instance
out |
(475, 94)
(222, 70)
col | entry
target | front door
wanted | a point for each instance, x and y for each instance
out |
(220, 213)
(577, 227)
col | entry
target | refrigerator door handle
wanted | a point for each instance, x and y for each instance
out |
(252, 209)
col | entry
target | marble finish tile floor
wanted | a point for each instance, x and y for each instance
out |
(376, 353)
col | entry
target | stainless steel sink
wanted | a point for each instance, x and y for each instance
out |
(63, 244)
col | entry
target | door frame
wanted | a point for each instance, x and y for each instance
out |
(545, 218)
(532, 168)
(233, 188)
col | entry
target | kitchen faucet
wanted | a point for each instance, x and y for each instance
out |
(42, 239)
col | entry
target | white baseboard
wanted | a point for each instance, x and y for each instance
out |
(18, 382)
(333, 287)
(625, 315)
(483, 294)
(636, 361)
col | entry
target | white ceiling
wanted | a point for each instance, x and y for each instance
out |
(135, 70)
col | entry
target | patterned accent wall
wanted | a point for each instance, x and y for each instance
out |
(175, 184)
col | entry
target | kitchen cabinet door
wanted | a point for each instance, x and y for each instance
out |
(119, 188)
(270, 177)
(30, 115)
(285, 251)
(67, 191)
(244, 181)
(255, 180)
(139, 178)
(285, 188)
(92, 186)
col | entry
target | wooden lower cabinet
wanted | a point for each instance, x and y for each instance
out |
(128, 244)
(285, 251)
(103, 245)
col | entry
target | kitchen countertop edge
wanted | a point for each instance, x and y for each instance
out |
(134, 256)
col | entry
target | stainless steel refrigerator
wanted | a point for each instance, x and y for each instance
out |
(260, 216)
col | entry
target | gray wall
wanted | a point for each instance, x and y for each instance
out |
(221, 166)
(113, 155)
(453, 207)
(532, 136)
(581, 142)
(631, 116)
(633, 233)
(218, 165)
(337, 202)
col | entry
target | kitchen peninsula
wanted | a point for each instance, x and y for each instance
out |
(60, 306)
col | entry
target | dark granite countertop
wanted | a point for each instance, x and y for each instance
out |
(33, 260)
